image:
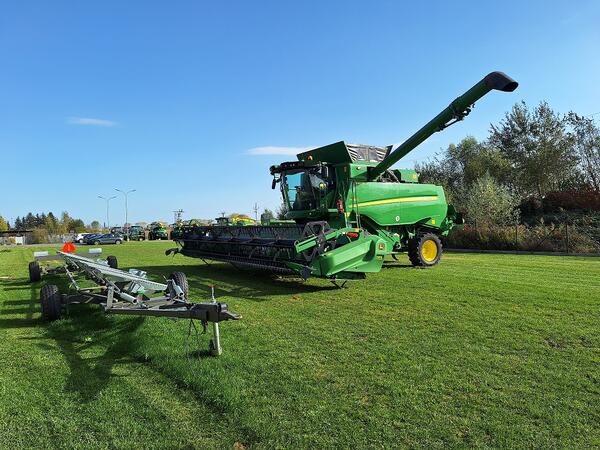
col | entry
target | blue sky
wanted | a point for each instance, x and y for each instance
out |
(170, 98)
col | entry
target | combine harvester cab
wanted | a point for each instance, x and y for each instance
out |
(350, 209)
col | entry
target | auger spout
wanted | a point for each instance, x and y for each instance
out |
(457, 110)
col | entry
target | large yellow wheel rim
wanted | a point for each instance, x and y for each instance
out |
(429, 250)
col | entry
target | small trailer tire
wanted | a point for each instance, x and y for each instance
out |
(181, 280)
(112, 262)
(35, 271)
(50, 299)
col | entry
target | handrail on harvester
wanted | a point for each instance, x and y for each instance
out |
(456, 111)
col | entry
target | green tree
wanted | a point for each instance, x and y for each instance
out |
(586, 140)
(95, 225)
(267, 215)
(29, 221)
(65, 222)
(476, 159)
(51, 225)
(282, 211)
(489, 203)
(539, 148)
(4, 226)
(77, 226)
(459, 166)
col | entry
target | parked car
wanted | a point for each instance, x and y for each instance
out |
(108, 238)
(81, 237)
(90, 236)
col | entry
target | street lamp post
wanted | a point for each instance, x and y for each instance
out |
(126, 224)
(107, 200)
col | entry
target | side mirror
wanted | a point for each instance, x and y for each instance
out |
(325, 172)
(274, 183)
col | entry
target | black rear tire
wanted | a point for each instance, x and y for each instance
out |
(35, 271)
(425, 250)
(50, 299)
(181, 280)
(112, 262)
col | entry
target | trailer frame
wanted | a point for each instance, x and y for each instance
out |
(128, 293)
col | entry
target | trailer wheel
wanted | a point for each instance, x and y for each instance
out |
(425, 250)
(35, 272)
(112, 262)
(51, 302)
(181, 280)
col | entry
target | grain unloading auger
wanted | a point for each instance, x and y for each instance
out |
(349, 207)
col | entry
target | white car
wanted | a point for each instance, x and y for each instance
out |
(80, 237)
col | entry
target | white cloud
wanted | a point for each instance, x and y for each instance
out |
(90, 121)
(271, 150)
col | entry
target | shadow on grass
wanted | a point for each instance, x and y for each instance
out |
(392, 265)
(92, 344)
(255, 285)
(199, 354)
(27, 307)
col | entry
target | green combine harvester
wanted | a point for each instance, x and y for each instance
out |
(157, 231)
(235, 220)
(350, 209)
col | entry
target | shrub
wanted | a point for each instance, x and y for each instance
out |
(39, 236)
(585, 199)
(488, 203)
(524, 238)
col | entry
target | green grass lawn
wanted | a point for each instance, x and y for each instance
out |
(483, 350)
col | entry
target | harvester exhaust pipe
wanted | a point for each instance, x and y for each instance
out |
(456, 111)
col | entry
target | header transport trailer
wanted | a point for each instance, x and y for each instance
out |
(350, 209)
(123, 292)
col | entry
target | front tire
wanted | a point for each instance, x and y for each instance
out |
(117, 242)
(51, 302)
(35, 272)
(96, 242)
(181, 280)
(425, 250)
(112, 262)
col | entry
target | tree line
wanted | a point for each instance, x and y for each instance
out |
(49, 223)
(528, 157)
